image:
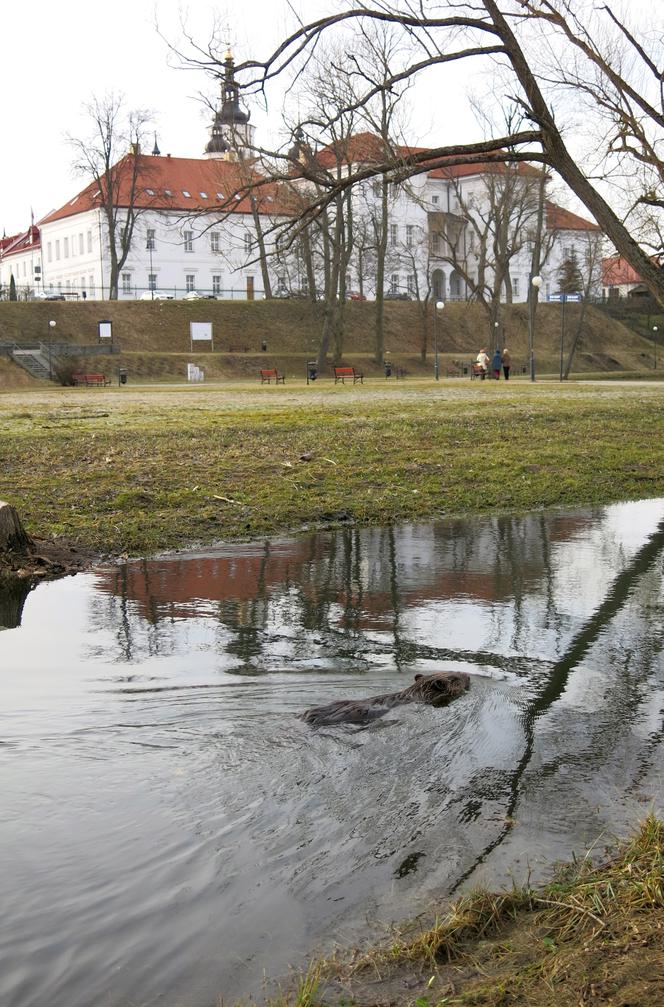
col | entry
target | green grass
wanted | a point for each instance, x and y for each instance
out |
(140, 470)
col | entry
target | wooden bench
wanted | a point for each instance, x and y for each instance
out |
(268, 374)
(90, 379)
(341, 373)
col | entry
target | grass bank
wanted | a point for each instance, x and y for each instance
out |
(594, 935)
(137, 470)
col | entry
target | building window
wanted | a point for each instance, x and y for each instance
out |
(188, 241)
(435, 243)
(515, 286)
(409, 235)
(281, 285)
(150, 243)
(247, 243)
(376, 187)
(82, 283)
(81, 245)
(65, 248)
(49, 252)
(57, 249)
(435, 199)
(89, 241)
(216, 285)
(91, 285)
(410, 284)
(152, 281)
(126, 283)
(394, 234)
(189, 282)
(214, 241)
(394, 283)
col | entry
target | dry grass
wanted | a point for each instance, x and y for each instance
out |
(139, 470)
(594, 935)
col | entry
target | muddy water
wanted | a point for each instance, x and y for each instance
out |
(170, 830)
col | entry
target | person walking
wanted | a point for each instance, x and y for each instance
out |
(496, 364)
(482, 362)
(507, 363)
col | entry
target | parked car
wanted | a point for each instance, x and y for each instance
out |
(41, 295)
(192, 295)
(397, 295)
(156, 295)
(355, 295)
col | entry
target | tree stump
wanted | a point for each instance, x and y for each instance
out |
(13, 536)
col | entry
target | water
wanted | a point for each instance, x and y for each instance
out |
(170, 830)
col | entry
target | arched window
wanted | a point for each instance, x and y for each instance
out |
(438, 284)
(455, 286)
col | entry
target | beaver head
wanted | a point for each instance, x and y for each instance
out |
(440, 686)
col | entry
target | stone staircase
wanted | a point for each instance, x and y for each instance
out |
(35, 360)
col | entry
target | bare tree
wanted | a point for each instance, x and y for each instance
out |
(488, 30)
(112, 158)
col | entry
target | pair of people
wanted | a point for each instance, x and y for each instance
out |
(499, 360)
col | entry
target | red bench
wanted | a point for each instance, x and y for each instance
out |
(341, 373)
(90, 379)
(271, 373)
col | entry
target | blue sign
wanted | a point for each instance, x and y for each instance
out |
(565, 297)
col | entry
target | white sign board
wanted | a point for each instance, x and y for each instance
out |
(105, 330)
(201, 331)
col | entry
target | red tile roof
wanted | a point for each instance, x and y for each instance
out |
(616, 271)
(559, 219)
(181, 184)
(368, 148)
(20, 242)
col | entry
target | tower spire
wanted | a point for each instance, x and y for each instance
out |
(231, 131)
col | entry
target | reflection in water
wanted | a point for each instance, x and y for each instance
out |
(13, 592)
(173, 829)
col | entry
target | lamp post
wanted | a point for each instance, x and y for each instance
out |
(149, 245)
(535, 284)
(51, 326)
(654, 342)
(439, 307)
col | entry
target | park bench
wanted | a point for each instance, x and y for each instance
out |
(341, 373)
(453, 369)
(268, 374)
(477, 372)
(90, 379)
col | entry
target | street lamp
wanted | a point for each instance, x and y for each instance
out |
(654, 342)
(535, 283)
(439, 307)
(149, 247)
(51, 326)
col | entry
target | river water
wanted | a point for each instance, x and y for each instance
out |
(171, 831)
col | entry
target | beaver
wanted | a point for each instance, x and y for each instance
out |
(436, 690)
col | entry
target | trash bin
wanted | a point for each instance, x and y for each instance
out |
(312, 370)
(264, 346)
(388, 369)
(122, 376)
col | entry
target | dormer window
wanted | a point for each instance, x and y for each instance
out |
(203, 195)
(167, 192)
(220, 195)
(150, 192)
(187, 194)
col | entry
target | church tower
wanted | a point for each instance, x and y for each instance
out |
(231, 136)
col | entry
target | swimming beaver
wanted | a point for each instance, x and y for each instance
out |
(436, 690)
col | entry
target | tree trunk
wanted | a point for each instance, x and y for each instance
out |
(13, 537)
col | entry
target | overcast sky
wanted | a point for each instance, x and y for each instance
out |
(56, 55)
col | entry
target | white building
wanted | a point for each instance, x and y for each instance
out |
(199, 229)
